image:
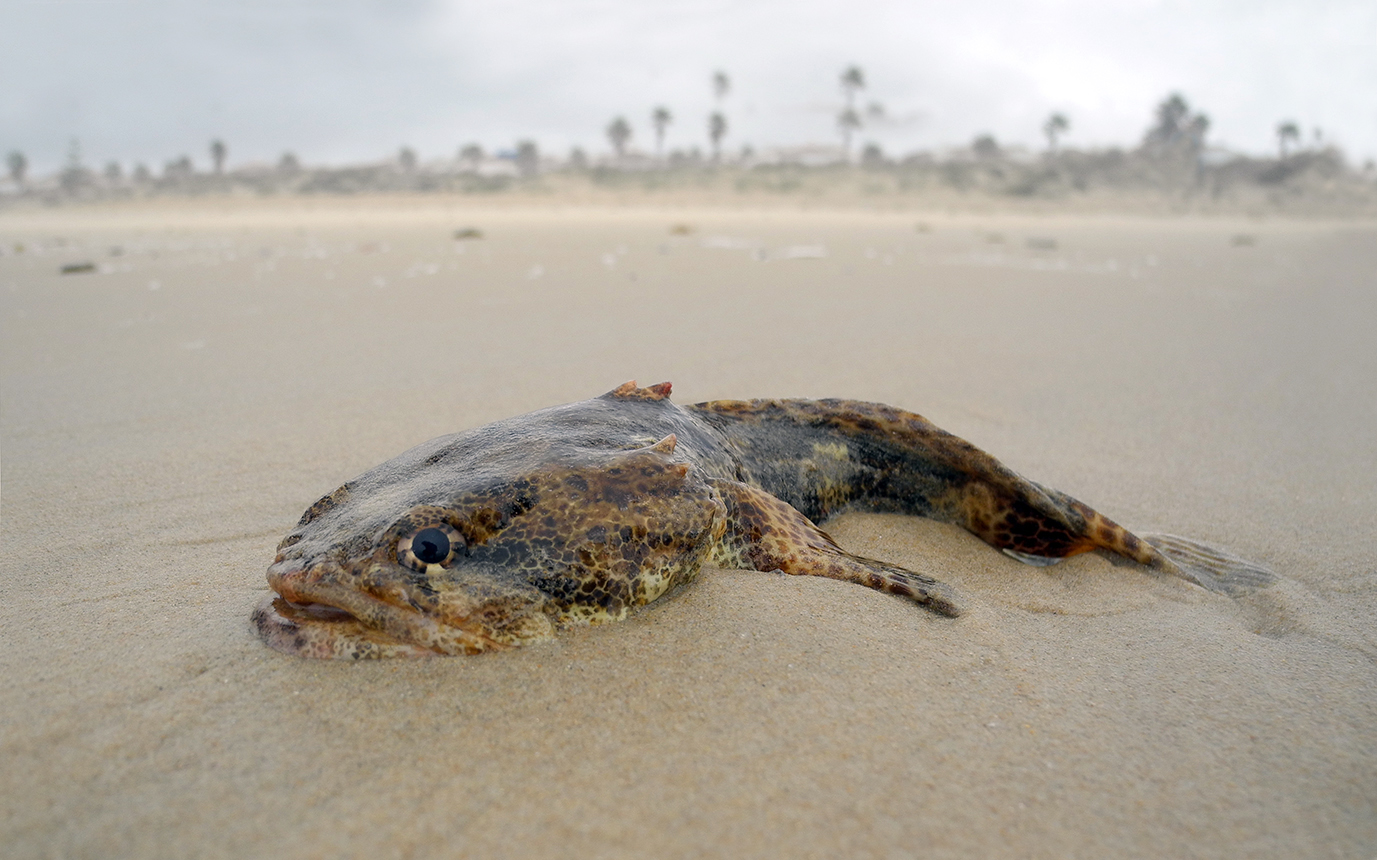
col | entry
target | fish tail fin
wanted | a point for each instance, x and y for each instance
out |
(1210, 567)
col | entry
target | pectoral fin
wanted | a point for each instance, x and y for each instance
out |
(764, 533)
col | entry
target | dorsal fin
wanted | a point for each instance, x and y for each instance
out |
(629, 391)
(666, 445)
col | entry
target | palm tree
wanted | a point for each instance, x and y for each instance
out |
(660, 118)
(717, 129)
(619, 132)
(1056, 125)
(18, 165)
(75, 174)
(1172, 117)
(849, 121)
(717, 120)
(1287, 132)
(852, 82)
(217, 154)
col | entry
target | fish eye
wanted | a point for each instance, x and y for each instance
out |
(430, 545)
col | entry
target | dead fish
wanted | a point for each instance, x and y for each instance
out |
(502, 535)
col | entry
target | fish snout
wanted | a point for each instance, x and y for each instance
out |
(295, 579)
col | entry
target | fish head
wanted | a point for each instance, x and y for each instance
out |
(446, 555)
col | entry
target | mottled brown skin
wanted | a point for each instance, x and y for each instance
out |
(575, 514)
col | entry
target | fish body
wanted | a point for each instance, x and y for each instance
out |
(501, 535)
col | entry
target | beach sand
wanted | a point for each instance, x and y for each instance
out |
(168, 416)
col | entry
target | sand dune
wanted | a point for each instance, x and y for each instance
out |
(169, 414)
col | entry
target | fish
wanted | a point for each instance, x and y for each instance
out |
(504, 535)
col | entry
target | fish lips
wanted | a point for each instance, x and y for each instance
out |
(316, 614)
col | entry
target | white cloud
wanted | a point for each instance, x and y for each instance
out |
(350, 81)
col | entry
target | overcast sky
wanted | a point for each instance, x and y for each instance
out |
(352, 80)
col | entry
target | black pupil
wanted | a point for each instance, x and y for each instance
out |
(431, 546)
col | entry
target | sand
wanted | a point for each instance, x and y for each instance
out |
(167, 417)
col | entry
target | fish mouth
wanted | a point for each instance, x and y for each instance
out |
(313, 615)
